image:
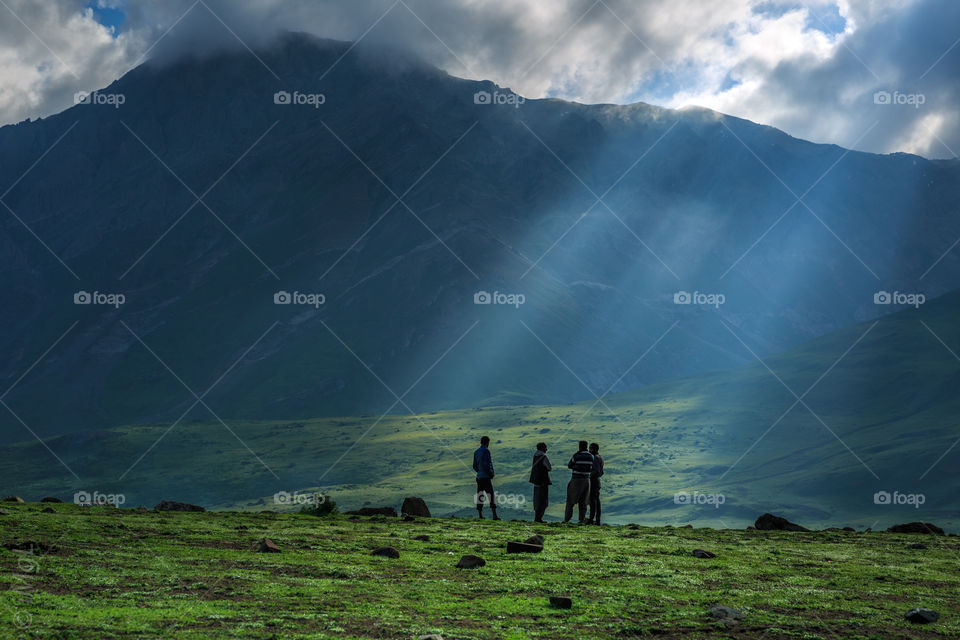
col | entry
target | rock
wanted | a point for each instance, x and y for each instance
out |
(470, 562)
(633, 526)
(170, 505)
(432, 636)
(848, 529)
(687, 526)
(770, 522)
(373, 511)
(48, 510)
(50, 499)
(13, 499)
(266, 545)
(751, 528)
(3, 512)
(422, 538)
(701, 553)
(922, 616)
(523, 547)
(916, 545)
(415, 507)
(561, 602)
(725, 613)
(142, 508)
(536, 539)
(386, 552)
(916, 527)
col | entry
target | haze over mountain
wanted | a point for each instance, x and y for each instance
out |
(199, 197)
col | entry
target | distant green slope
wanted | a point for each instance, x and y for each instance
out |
(886, 409)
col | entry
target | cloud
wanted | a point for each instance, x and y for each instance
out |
(811, 68)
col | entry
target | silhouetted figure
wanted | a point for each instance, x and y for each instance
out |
(578, 490)
(594, 517)
(540, 479)
(483, 465)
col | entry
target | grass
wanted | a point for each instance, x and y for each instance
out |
(108, 573)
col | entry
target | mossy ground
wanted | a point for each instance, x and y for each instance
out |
(107, 573)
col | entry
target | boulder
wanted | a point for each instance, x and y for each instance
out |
(702, 553)
(13, 499)
(415, 507)
(470, 562)
(170, 505)
(770, 522)
(266, 545)
(373, 511)
(561, 602)
(536, 539)
(386, 552)
(50, 499)
(523, 547)
(922, 616)
(916, 527)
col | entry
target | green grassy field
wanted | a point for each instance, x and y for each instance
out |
(98, 572)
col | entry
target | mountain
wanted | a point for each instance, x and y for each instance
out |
(880, 415)
(204, 192)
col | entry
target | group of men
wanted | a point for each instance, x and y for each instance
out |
(583, 490)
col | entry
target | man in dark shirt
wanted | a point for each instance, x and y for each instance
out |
(578, 490)
(483, 465)
(540, 479)
(594, 517)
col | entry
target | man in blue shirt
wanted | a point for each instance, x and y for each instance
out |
(483, 465)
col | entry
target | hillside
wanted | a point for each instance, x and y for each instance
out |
(888, 391)
(200, 198)
(99, 566)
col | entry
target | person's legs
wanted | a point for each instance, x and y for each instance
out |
(582, 498)
(594, 517)
(479, 497)
(493, 499)
(539, 500)
(596, 502)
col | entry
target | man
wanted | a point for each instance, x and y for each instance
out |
(483, 465)
(594, 517)
(540, 479)
(578, 490)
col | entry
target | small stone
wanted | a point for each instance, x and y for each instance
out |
(523, 547)
(142, 508)
(725, 613)
(171, 505)
(373, 511)
(770, 522)
(3, 512)
(702, 553)
(50, 499)
(922, 616)
(470, 561)
(266, 545)
(422, 538)
(561, 602)
(13, 499)
(916, 545)
(48, 510)
(432, 636)
(536, 539)
(386, 552)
